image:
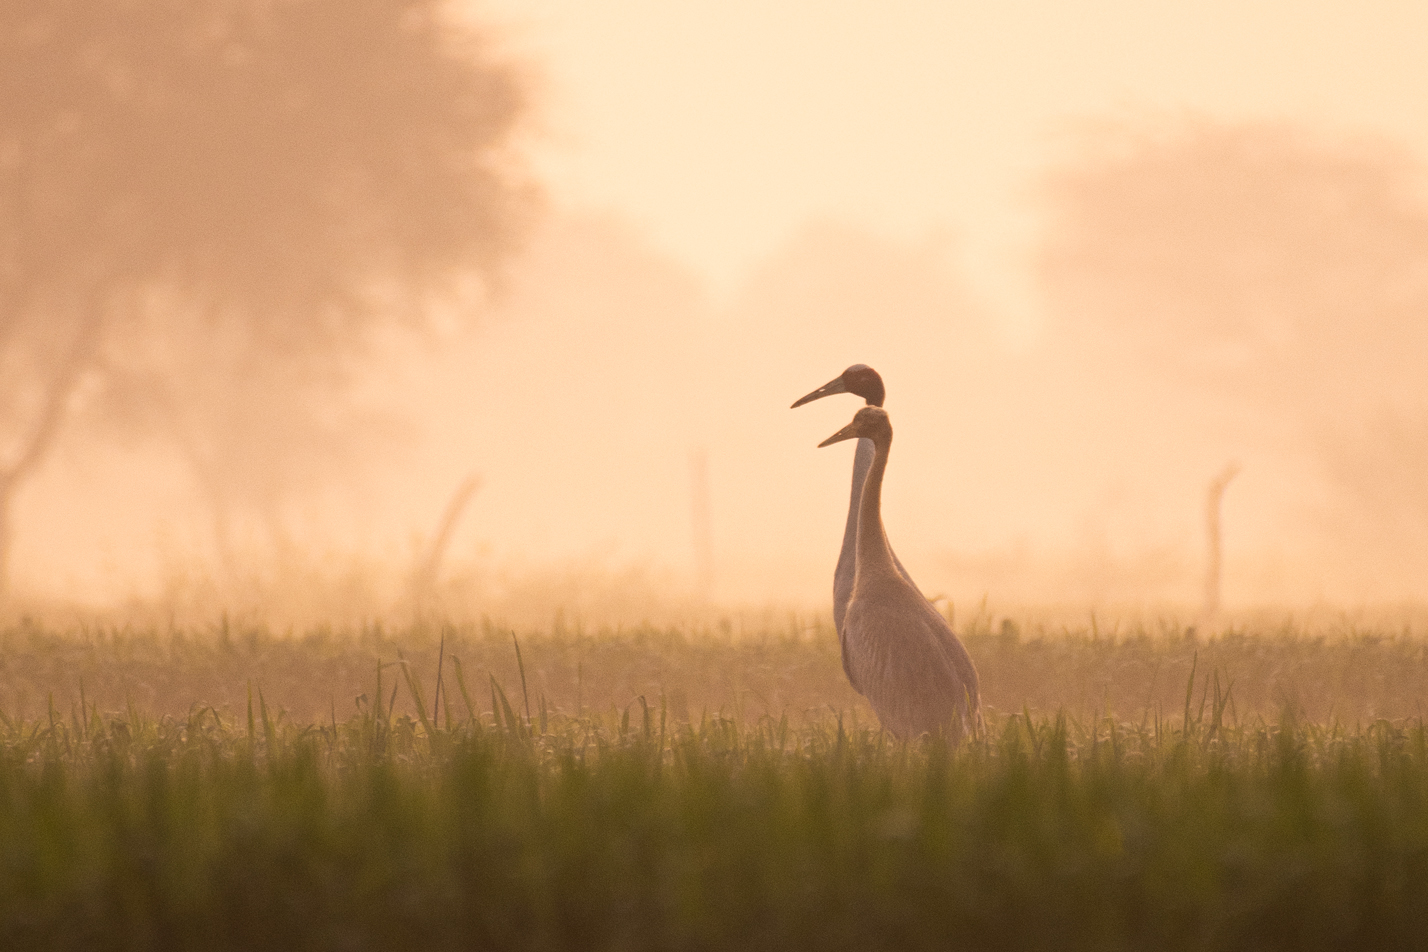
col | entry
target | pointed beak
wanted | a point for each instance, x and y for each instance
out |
(848, 432)
(836, 385)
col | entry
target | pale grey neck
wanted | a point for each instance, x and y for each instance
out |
(862, 462)
(848, 555)
(875, 557)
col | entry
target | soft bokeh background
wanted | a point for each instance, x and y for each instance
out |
(1098, 253)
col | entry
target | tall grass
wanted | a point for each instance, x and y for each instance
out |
(490, 825)
(1353, 675)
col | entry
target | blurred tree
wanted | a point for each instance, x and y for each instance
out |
(1253, 257)
(209, 207)
(1284, 273)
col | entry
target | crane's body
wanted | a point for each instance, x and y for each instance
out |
(897, 649)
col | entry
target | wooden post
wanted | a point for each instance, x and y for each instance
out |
(1213, 500)
(701, 522)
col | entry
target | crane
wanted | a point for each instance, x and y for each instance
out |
(897, 649)
(863, 381)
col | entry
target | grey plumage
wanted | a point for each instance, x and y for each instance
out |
(897, 649)
(847, 560)
(847, 555)
(863, 381)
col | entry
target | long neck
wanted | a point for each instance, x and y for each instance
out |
(874, 554)
(847, 556)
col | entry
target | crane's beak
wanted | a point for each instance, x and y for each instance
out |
(836, 385)
(849, 432)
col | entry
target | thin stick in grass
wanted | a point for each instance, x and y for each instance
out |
(436, 698)
(414, 689)
(521, 665)
(461, 685)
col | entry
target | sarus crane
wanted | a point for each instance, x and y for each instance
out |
(862, 381)
(898, 651)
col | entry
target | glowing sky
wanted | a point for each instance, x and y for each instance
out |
(764, 192)
(720, 127)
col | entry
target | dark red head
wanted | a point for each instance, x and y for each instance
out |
(859, 379)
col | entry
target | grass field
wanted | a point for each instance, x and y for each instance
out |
(1331, 670)
(706, 790)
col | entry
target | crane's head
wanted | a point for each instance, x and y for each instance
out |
(859, 379)
(870, 423)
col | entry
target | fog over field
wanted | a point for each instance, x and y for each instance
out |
(1097, 256)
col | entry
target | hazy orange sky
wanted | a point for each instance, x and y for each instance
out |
(746, 197)
(720, 127)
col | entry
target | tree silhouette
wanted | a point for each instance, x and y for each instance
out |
(1255, 257)
(1282, 272)
(192, 188)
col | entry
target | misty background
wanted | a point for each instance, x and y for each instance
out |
(287, 289)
